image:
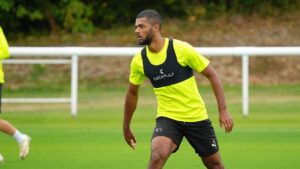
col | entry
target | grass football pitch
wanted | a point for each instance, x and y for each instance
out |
(268, 139)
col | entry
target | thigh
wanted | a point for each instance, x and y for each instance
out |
(162, 145)
(201, 136)
(161, 149)
(168, 128)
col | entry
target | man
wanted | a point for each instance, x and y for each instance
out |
(5, 126)
(169, 65)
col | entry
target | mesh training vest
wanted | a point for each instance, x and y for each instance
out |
(168, 73)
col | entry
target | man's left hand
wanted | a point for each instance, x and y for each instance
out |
(226, 121)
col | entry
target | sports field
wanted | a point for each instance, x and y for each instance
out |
(268, 139)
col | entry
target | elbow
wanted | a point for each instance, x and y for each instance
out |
(133, 93)
(212, 76)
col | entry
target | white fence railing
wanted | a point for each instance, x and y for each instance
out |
(74, 81)
(74, 52)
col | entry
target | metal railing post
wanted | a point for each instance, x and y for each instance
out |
(245, 84)
(74, 85)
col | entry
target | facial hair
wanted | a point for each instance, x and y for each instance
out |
(148, 39)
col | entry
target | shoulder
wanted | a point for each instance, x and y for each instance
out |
(137, 57)
(183, 48)
(137, 62)
(183, 51)
(178, 44)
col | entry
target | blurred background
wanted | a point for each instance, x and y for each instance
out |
(268, 138)
(111, 23)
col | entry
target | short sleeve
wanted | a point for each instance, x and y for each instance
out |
(189, 56)
(4, 52)
(137, 75)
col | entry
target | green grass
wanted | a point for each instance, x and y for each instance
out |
(268, 139)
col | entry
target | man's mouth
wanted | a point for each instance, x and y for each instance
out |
(139, 37)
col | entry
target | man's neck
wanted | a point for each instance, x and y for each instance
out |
(157, 44)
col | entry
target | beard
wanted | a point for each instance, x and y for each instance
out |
(148, 39)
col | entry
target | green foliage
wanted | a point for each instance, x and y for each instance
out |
(33, 15)
(268, 8)
(82, 16)
(5, 5)
(77, 17)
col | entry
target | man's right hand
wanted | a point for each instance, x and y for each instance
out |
(129, 108)
(129, 137)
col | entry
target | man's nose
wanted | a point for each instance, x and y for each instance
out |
(137, 30)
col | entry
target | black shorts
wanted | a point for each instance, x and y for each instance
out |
(200, 135)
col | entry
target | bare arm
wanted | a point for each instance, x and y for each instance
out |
(224, 116)
(130, 106)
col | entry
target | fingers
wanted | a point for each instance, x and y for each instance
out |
(228, 125)
(132, 142)
(130, 139)
(221, 124)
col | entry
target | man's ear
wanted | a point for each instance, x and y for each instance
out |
(156, 27)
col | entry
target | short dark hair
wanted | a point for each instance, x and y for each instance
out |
(152, 15)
